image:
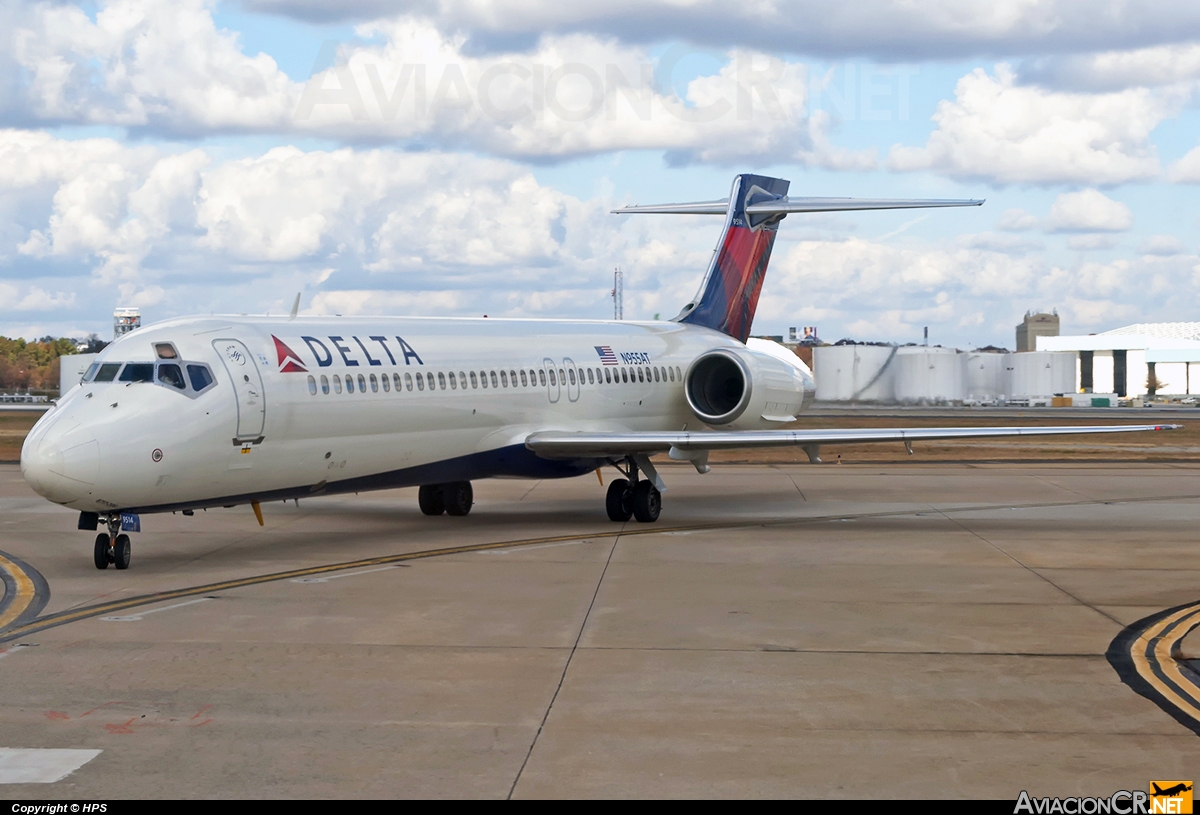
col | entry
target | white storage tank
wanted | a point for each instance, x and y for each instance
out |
(1042, 373)
(985, 376)
(855, 373)
(929, 375)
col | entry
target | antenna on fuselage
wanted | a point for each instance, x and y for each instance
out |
(295, 307)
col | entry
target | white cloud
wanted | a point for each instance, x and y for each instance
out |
(1088, 211)
(1016, 220)
(1155, 66)
(1187, 169)
(1090, 242)
(997, 129)
(887, 30)
(165, 67)
(1164, 245)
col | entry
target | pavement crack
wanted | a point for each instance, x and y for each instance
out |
(566, 667)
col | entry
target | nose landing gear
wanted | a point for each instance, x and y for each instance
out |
(112, 546)
(631, 497)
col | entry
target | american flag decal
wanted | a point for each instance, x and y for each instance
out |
(607, 357)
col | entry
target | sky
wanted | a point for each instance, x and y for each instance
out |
(460, 158)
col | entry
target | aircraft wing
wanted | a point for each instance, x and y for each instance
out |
(558, 444)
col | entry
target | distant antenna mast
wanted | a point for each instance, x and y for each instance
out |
(618, 294)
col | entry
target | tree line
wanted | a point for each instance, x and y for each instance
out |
(33, 366)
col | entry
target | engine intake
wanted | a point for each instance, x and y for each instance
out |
(718, 387)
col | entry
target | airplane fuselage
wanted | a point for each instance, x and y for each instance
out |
(310, 406)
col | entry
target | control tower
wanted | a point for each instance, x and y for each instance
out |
(126, 320)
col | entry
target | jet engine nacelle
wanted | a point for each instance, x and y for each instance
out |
(748, 389)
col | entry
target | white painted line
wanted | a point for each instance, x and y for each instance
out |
(337, 576)
(13, 650)
(39, 766)
(135, 617)
(531, 546)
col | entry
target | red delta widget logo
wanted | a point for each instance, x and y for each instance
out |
(288, 361)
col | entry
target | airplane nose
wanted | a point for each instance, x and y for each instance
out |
(60, 466)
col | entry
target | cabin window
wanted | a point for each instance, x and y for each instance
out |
(641, 374)
(384, 380)
(524, 379)
(671, 373)
(362, 384)
(312, 384)
(655, 370)
(553, 378)
(542, 377)
(337, 384)
(474, 380)
(462, 380)
(562, 376)
(108, 372)
(170, 374)
(420, 382)
(504, 378)
(607, 375)
(624, 374)
(349, 384)
(137, 372)
(324, 384)
(495, 381)
(453, 381)
(571, 375)
(396, 382)
(407, 382)
(441, 380)
(678, 373)
(429, 379)
(590, 380)
(374, 384)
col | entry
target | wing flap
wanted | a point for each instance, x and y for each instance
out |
(557, 444)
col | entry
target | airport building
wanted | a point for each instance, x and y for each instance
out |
(1151, 359)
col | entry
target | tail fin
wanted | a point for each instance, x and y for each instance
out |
(728, 294)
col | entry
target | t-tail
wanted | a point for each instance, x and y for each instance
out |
(728, 295)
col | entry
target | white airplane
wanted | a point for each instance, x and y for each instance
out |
(204, 412)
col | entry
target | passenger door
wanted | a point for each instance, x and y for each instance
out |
(247, 387)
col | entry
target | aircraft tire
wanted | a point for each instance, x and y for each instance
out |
(458, 498)
(122, 550)
(647, 502)
(617, 501)
(100, 553)
(431, 499)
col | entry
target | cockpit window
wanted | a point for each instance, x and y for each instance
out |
(170, 374)
(107, 372)
(91, 371)
(201, 377)
(138, 372)
(164, 350)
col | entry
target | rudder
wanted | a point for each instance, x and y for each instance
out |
(728, 295)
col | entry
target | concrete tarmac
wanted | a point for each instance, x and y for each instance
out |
(857, 631)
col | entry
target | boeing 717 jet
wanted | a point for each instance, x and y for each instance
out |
(202, 412)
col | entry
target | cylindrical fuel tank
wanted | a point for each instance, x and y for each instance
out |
(986, 376)
(855, 373)
(1042, 373)
(929, 375)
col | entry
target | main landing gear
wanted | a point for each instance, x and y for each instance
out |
(455, 498)
(631, 497)
(112, 546)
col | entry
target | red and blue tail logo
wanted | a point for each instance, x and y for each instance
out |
(729, 294)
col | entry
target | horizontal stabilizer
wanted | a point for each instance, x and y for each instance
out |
(553, 444)
(785, 205)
